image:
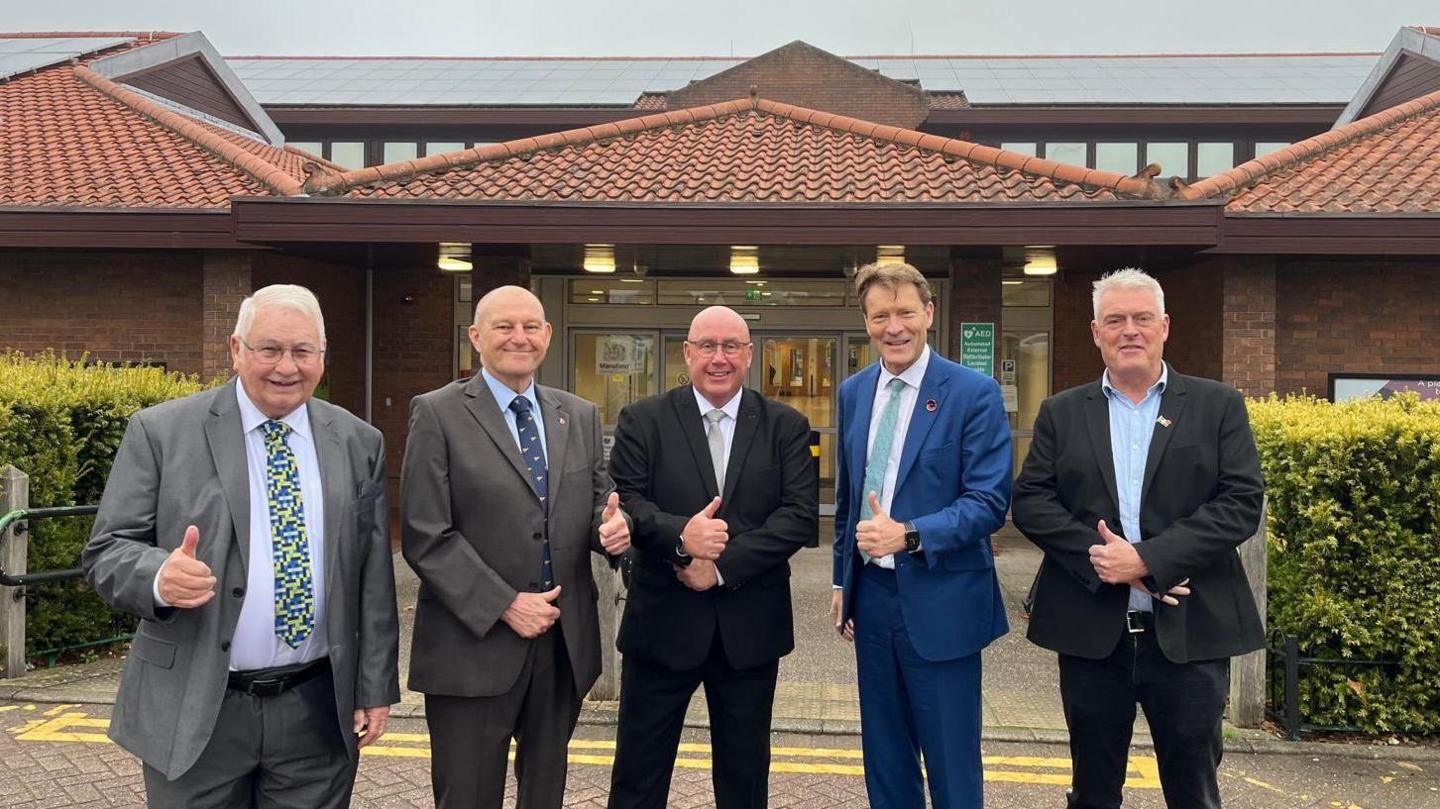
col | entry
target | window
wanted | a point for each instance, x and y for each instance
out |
(1121, 157)
(1072, 153)
(1263, 148)
(396, 152)
(1213, 158)
(313, 147)
(350, 154)
(1174, 158)
(441, 147)
(1019, 148)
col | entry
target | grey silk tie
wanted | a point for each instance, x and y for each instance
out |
(715, 437)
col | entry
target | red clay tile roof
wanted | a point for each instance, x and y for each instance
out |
(652, 101)
(1386, 163)
(948, 100)
(70, 137)
(741, 151)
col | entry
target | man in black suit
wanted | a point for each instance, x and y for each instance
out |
(1141, 591)
(722, 489)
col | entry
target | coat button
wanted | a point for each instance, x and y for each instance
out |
(238, 592)
(224, 645)
(534, 584)
(536, 535)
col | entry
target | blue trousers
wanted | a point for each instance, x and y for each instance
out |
(911, 707)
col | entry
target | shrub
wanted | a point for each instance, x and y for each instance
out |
(1354, 553)
(61, 422)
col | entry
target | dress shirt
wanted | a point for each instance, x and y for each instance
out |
(504, 395)
(912, 377)
(731, 409)
(1131, 428)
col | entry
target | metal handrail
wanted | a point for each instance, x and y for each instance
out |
(24, 514)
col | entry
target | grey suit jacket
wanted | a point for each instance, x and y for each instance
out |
(471, 527)
(183, 463)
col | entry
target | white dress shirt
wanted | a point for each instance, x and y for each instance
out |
(731, 409)
(912, 377)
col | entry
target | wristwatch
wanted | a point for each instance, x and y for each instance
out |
(682, 558)
(912, 538)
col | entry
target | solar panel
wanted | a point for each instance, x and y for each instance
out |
(23, 55)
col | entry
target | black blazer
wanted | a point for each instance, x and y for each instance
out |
(1201, 497)
(661, 466)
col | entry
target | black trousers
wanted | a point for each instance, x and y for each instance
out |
(653, 700)
(1183, 705)
(470, 736)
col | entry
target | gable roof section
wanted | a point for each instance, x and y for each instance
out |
(743, 151)
(1387, 163)
(1409, 68)
(73, 138)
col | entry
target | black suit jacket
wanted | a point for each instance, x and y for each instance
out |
(661, 466)
(1200, 498)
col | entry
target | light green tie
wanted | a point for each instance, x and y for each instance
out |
(880, 453)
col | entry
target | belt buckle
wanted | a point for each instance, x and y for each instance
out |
(1133, 622)
(265, 688)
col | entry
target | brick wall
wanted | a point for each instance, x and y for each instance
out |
(1249, 326)
(1355, 316)
(1075, 359)
(115, 306)
(809, 77)
(974, 298)
(341, 290)
(226, 281)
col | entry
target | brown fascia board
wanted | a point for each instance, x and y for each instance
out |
(1357, 234)
(1320, 115)
(554, 117)
(98, 228)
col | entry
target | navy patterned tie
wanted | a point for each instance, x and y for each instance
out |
(534, 456)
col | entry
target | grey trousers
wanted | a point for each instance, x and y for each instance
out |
(266, 752)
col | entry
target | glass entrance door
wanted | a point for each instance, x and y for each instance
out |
(800, 370)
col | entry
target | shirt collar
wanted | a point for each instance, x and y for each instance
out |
(1158, 387)
(504, 394)
(730, 408)
(251, 418)
(911, 376)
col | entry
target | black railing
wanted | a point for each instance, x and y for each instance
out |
(18, 518)
(1285, 672)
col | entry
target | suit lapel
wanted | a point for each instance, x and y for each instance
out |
(482, 405)
(747, 424)
(687, 412)
(1097, 420)
(226, 437)
(557, 435)
(858, 441)
(933, 387)
(1172, 404)
(334, 482)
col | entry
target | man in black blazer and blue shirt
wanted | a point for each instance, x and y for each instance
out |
(723, 491)
(1141, 591)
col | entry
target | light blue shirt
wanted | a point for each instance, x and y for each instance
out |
(504, 395)
(912, 377)
(255, 645)
(1131, 428)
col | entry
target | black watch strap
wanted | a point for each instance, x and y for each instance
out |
(912, 538)
(682, 558)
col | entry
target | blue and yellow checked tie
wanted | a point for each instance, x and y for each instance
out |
(880, 453)
(294, 591)
(534, 456)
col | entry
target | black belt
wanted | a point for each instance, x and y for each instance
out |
(1137, 621)
(276, 681)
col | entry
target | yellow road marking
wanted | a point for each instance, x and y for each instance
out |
(1144, 770)
(59, 709)
(4, 708)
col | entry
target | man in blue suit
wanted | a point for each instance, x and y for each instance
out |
(924, 480)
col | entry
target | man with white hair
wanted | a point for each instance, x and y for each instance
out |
(1141, 592)
(247, 526)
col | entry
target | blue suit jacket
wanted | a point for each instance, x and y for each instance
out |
(954, 485)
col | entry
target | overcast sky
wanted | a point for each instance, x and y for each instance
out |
(743, 27)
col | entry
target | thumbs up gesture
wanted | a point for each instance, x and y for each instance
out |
(184, 580)
(614, 530)
(879, 535)
(1115, 559)
(704, 536)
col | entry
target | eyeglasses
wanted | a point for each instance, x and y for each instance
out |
(706, 348)
(271, 354)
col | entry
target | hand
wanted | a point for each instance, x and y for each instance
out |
(372, 722)
(1116, 561)
(847, 631)
(879, 535)
(614, 530)
(532, 614)
(185, 581)
(1168, 598)
(704, 536)
(699, 575)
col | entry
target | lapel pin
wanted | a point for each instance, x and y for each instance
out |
(1164, 422)
(562, 421)
(931, 406)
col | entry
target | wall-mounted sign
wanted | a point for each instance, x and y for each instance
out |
(1358, 386)
(977, 347)
(622, 353)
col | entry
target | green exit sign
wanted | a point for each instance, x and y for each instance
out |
(752, 294)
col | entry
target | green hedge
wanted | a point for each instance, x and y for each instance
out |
(61, 422)
(1354, 497)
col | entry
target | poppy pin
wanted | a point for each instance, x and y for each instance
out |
(1164, 422)
(931, 406)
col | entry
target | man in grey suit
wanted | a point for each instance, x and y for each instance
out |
(246, 526)
(504, 495)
